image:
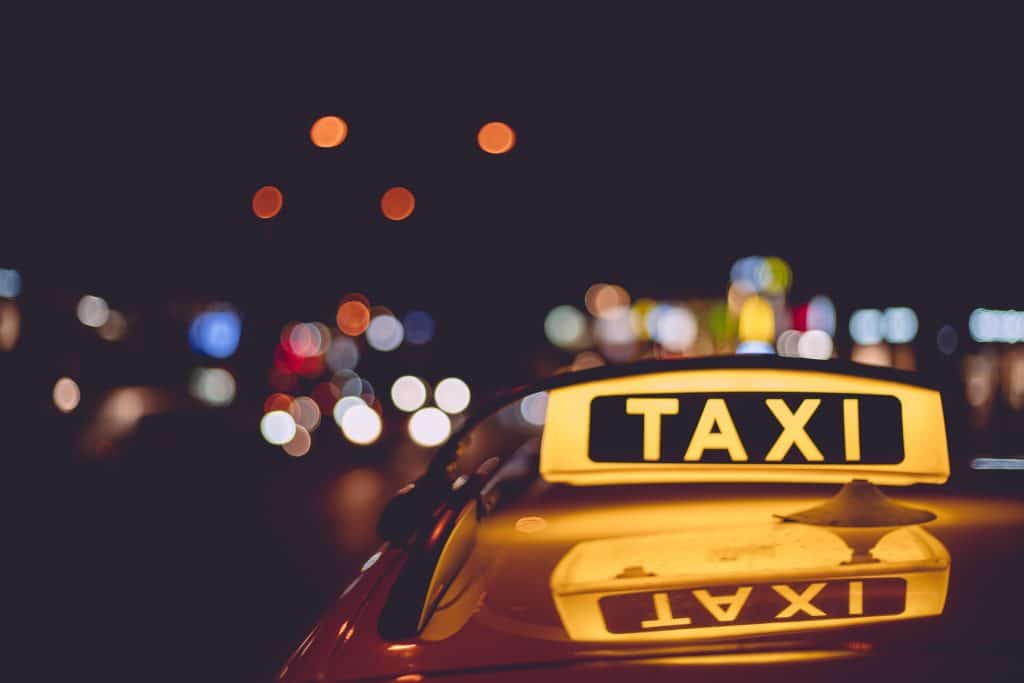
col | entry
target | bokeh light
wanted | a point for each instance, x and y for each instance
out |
(385, 333)
(899, 325)
(605, 300)
(419, 327)
(816, 344)
(92, 311)
(10, 325)
(496, 137)
(300, 443)
(278, 401)
(452, 395)
(565, 326)
(675, 328)
(212, 386)
(277, 427)
(872, 354)
(946, 339)
(343, 405)
(328, 131)
(216, 332)
(429, 427)
(10, 283)
(757, 321)
(989, 325)
(397, 203)
(867, 326)
(267, 202)
(534, 408)
(66, 394)
(353, 317)
(114, 328)
(788, 343)
(342, 354)
(754, 347)
(408, 393)
(821, 314)
(361, 424)
(306, 413)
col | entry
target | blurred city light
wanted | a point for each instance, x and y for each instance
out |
(66, 394)
(899, 325)
(342, 354)
(306, 413)
(816, 344)
(773, 276)
(419, 327)
(746, 272)
(452, 395)
(306, 339)
(328, 131)
(496, 137)
(10, 325)
(299, 444)
(638, 315)
(754, 347)
(278, 402)
(788, 343)
(353, 316)
(92, 311)
(867, 326)
(821, 314)
(615, 328)
(216, 332)
(385, 333)
(361, 424)
(429, 427)
(605, 300)
(565, 326)
(987, 325)
(408, 393)
(212, 386)
(267, 202)
(757, 322)
(534, 408)
(277, 427)
(397, 203)
(946, 339)
(114, 328)
(675, 328)
(343, 405)
(10, 283)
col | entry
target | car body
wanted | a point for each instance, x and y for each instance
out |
(679, 519)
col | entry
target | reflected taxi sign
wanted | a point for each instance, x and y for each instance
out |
(744, 424)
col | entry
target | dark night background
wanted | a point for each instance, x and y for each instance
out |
(878, 153)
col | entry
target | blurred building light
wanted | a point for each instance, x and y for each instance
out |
(899, 325)
(212, 386)
(343, 405)
(604, 300)
(114, 328)
(300, 443)
(353, 317)
(452, 395)
(534, 408)
(816, 344)
(397, 203)
(757, 322)
(385, 333)
(92, 311)
(872, 354)
(429, 427)
(361, 424)
(946, 340)
(216, 332)
(408, 393)
(328, 131)
(566, 327)
(419, 327)
(675, 328)
(867, 326)
(821, 314)
(277, 427)
(306, 413)
(342, 354)
(754, 347)
(988, 325)
(66, 394)
(496, 137)
(788, 344)
(10, 325)
(10, 283)
(267, 202)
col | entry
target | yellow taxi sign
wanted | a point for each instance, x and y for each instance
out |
(744, 424)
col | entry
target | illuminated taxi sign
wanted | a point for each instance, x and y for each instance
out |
(725, 582)
(744, 425)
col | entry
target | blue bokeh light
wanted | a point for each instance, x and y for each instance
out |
(215, 333)
(419, 327)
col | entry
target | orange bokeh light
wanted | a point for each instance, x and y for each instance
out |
(496, 137)
(328, 131)
(277, 402)
(397, 203)
(353, 317)
(267, 202)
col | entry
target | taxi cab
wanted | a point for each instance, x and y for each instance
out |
(712, 519)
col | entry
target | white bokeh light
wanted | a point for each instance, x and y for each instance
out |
(452, 395)
(93, 311)
(278, 427)
(565, 327)
(675, 328)
(385, 333)
(534, 408)
(343, 405)
(429, 427)
(408, 393)
(213, 386)
(815, 344)
(361, 424)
